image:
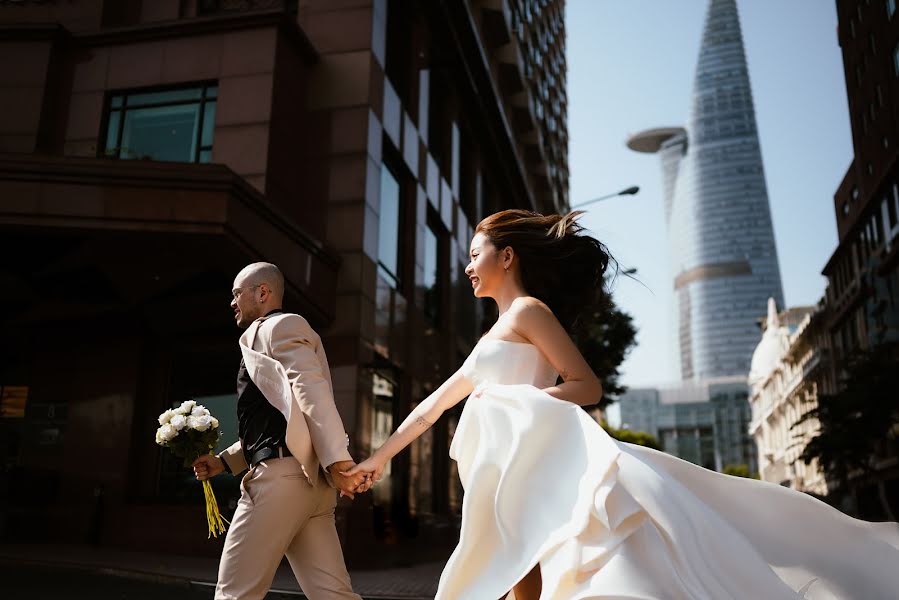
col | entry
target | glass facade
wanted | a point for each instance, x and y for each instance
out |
(389, 228)
(723, 256)
(432, 270)
(707, 424)
(174, 125)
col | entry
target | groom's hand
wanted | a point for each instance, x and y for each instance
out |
(208, 466)
(346, 484)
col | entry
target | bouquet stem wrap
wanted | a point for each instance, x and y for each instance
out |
(214, 518)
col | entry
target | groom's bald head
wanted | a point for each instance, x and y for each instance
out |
(263, 273)
(258, 290)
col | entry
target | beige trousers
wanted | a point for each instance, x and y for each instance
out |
(280, 514)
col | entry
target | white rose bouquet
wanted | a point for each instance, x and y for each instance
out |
(189, 431)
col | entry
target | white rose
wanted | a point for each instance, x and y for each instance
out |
(178, 422)
(214, 422)
(198, 411)
(202, 423)
(186, 407)
(166, 416)
(166, 433)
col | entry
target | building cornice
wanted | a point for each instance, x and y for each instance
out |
(161, 30)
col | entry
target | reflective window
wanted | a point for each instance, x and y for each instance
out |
(173, 125)
(384, 395)
(389, 228)
(891, 8)
(432, 275)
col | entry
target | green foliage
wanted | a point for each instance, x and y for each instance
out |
(639, 438)
(741, 470)
(859, 422)
(604, 340)
(190, 444)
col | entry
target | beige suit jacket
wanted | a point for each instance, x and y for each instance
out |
(286, 361)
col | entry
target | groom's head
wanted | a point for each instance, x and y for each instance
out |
(258, 289)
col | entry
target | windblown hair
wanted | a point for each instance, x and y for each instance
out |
(559, 265)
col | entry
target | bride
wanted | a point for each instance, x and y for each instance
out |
(554, 508)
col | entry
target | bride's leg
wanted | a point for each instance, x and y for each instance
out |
(530, 585)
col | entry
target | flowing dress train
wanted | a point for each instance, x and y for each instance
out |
(605, 519)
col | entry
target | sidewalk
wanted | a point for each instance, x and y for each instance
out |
(408, 583)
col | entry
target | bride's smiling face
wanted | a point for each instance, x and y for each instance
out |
(488, 268)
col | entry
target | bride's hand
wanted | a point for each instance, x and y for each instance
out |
(372, 468)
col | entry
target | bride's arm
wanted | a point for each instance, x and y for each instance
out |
(450, 393)
(534, 321)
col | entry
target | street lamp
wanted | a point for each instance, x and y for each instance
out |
(625, 192)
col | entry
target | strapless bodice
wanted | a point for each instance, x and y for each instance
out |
(509, 363)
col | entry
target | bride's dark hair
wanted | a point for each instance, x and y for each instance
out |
(559, 265)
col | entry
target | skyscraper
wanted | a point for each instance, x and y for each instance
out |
(722, 252)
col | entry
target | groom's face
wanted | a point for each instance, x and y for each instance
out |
(246, 302)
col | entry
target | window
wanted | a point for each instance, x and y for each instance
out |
(854, 193)
(402, 55)
(891, 8)
(896, 60)
(389, 228)
(845, 208)
(172, 125)
(880, 95)
(433, 261)
(889, 210)
(385, 394)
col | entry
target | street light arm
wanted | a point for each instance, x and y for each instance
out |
(625, 192)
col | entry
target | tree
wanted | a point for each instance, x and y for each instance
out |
(741, 470)
(859, 423)
(604, 339)
(632, 437)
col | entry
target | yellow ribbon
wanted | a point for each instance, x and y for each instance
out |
(214, 518)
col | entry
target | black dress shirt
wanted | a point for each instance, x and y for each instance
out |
(259, 424)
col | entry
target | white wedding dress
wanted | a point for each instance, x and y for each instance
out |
(604, 519)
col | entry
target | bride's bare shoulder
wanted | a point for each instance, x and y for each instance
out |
(525, 310)
(524, 304)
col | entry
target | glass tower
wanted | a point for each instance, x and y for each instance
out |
(723, 257)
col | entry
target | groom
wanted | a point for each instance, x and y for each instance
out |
(293, 443)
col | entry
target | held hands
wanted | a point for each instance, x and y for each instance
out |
(347, 484)
(371, 469)
(208, 466)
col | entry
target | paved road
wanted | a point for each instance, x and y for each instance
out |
(49, 583)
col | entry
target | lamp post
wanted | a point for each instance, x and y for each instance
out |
(625, 192)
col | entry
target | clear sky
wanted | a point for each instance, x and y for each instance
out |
(630, 67)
